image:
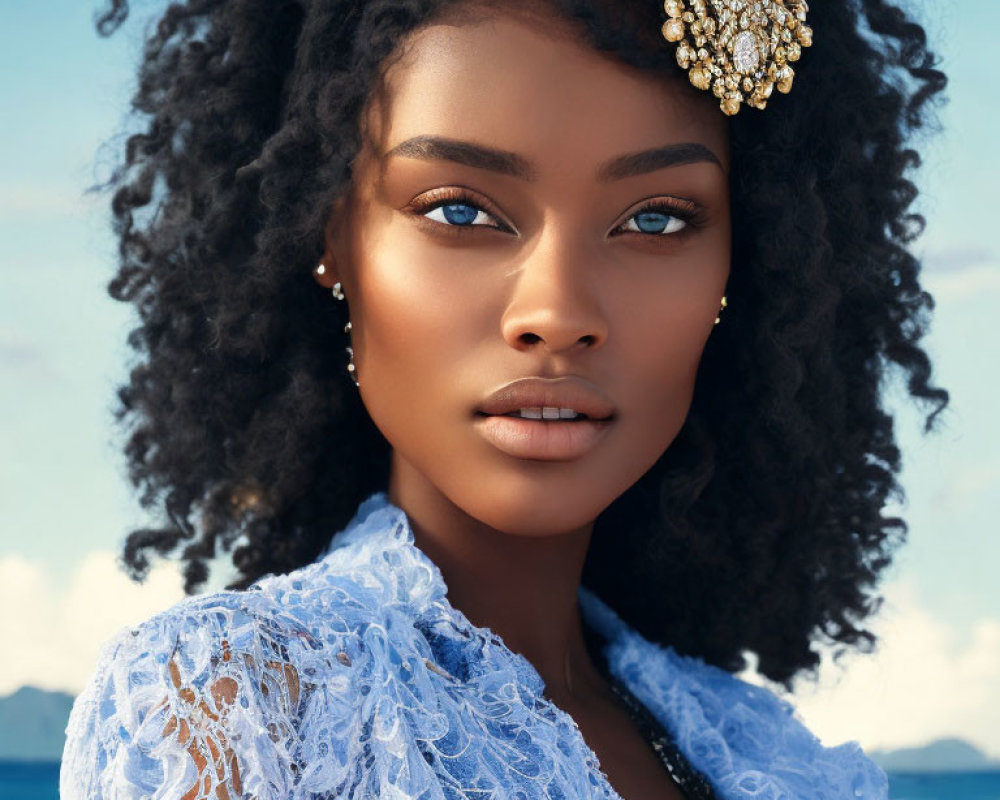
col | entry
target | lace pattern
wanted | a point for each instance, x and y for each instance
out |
(354, 677)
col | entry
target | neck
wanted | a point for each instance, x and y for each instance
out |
(523, 588)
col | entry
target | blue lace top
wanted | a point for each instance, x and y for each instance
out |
(355, 677)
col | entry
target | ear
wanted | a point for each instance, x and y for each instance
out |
(327, 272)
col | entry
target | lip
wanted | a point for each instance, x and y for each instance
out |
(545, 440)
(576, 393)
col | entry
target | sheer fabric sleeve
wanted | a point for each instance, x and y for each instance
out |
(205, 701)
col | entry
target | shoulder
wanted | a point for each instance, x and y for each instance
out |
(742, 736)
(751, 741)
(230, 690)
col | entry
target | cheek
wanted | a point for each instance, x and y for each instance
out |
(662, 348)
(419, 315)
(425, 305)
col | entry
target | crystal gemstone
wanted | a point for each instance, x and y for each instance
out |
(746, 56)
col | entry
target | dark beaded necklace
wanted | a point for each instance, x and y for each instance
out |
(693, 785)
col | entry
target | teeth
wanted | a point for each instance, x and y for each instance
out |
(547, 412)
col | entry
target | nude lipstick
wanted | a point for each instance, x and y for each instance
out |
(545, 419)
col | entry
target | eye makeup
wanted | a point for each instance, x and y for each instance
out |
(672, 210)
(455, 197)
(457, 209)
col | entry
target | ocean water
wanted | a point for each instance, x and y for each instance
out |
(945, 786)
(30, 780)
(40, 781)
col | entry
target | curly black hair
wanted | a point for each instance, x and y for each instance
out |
(761, 530)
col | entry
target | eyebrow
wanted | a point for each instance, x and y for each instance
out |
(439, 148)
(673, 155)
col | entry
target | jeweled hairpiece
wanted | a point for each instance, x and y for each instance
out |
(740, 49)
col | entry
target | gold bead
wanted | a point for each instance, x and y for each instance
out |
(805, 35)
(673, 30)
(731, 103)
(785, 77)
(684, 55)
(793, 52)
(700, 77)
(674, 8)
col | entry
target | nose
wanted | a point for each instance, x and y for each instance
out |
(556, 303)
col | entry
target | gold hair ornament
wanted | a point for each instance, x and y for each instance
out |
(740, 49)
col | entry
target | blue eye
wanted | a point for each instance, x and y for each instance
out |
(461, 214)
(654, 222)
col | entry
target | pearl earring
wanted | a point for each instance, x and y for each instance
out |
(338, 290)
(351, 369)
(338, 293)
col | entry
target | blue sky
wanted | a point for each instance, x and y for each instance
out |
(64, 501)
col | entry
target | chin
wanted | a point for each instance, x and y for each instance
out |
(523, 505)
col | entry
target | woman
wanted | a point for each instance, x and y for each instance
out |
(598, 353)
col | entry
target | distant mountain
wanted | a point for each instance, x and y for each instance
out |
(943, 755)
(33, 724)
(33, 728)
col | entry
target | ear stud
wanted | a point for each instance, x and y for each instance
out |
(722, 307)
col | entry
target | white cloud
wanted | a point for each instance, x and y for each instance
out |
(956, 259)
(21, 354)
(963, 284)
(29, 201)
(55, 634)
(924, 682)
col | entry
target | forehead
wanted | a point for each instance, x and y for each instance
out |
(527, 83)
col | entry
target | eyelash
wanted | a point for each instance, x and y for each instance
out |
(686, 211)
(439, 198)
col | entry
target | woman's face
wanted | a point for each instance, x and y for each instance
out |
(535, 227)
